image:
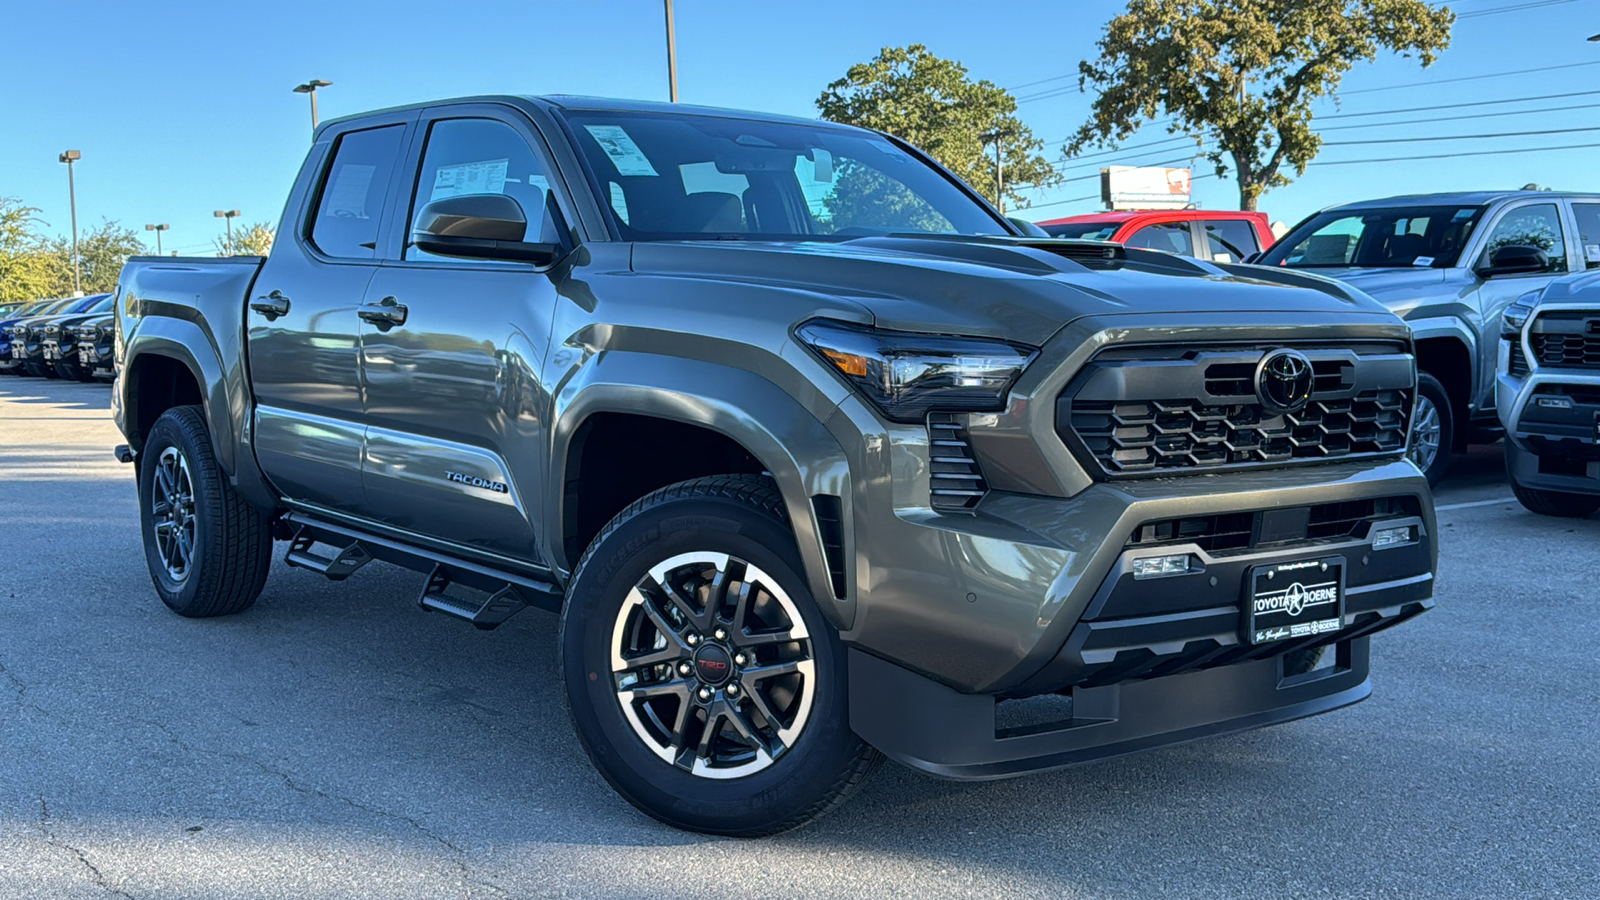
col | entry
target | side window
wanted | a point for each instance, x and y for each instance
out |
(1173, 237)
(1230, 240)
(350, 205)
(1538, 226)
(484, 156)
(1588, 216)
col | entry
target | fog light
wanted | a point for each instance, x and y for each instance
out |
(1394, 536)
(1159, 566)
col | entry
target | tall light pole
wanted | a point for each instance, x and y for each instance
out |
(310, 87)
(997, 138)
(157, 229)
(672, 56)
(227, 215)
(69, 157)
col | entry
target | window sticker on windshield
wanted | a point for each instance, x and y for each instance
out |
(822, 162)
(484, 177)
(1461, 215)
(348, 196)
(624, 153)
(1423, 261)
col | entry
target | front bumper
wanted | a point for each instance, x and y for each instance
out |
(1551, 416)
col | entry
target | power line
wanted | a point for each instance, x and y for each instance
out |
(1391, 112)
(1457, 137)
(1516, 7)
(1513, 112)
(1357, 162)
(1421, 84)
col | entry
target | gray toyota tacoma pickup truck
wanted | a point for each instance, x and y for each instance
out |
(816, 456)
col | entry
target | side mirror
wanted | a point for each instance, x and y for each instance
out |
(1250, 258)
(479, 226)
(1515, 259)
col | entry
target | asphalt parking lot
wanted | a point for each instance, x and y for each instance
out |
(335, 741)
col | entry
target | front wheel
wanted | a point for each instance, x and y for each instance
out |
(1433, 428)
(207, 549)
(702, 679)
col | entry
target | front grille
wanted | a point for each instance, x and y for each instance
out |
(1198, 410)
(1243, 530)
(1567, 350)
(954, 480)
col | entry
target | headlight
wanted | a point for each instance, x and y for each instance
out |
(1516, 315)
(19, 331)
(906, 375)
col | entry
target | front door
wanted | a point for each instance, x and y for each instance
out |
(452, 350)
(302, 331)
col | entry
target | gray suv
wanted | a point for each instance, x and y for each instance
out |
(815, 455)
(1449, 264)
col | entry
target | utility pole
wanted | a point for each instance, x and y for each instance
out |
(69, 157)
(997, 138)
(227, 216)
(672, 57)
(157, 229)
(310, 87)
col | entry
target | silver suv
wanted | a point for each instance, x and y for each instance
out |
(1449, 264)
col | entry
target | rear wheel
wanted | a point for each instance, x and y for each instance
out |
(1433, 428)
(702, 679)
(207, 549)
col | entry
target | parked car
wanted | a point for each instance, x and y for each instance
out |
(29, 334)
(1225, 236)
(58, 340)
(1549, 396)
(95, 343)
(1449, 264)
(13, 352)
(806, 474)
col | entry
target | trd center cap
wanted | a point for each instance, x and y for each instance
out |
(713, 664)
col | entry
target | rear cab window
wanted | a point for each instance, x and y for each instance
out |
(1588, 216)
(350, 201)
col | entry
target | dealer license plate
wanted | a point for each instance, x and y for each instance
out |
(1294, 600)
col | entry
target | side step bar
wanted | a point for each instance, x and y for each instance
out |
(507, 592)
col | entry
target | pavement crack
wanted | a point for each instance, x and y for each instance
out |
(50, 838)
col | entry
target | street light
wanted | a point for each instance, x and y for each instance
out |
(672, 57)
(157, 229)
(69, 157)
(310, 87)
(226, 215)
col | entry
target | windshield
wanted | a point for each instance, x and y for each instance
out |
(1421, 236)
(692, 177)
(1088, 231)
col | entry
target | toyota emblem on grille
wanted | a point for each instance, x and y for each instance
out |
(1283, 381)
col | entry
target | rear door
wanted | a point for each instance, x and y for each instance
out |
(303, 334)
(455, 406)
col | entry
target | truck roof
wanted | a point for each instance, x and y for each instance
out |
(580, 102)
(1127, 215)
(1456, 198)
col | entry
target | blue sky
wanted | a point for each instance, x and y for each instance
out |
(181, 108)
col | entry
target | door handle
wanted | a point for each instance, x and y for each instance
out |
(272, 305)
(385, 314)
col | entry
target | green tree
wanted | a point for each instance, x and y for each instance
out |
(102, 250)
(27, 269)
(1242, 74)
(932, 104)
(250, 240)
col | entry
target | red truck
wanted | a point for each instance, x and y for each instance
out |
(1224, 236)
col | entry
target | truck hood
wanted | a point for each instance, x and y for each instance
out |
(1020, 289)
(1394, 285)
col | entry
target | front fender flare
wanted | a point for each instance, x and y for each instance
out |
(802, 456)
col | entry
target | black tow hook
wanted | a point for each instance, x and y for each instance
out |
(124, 453)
